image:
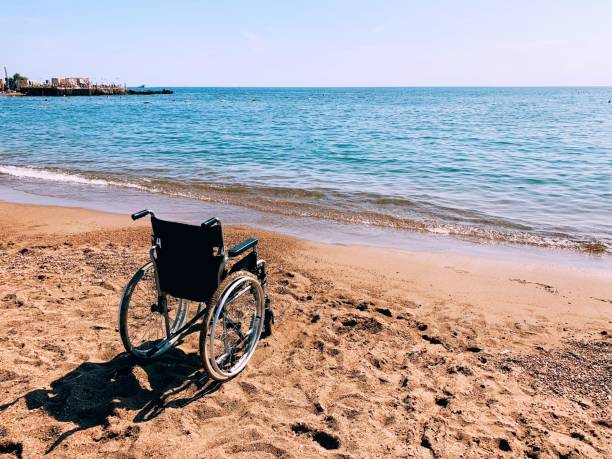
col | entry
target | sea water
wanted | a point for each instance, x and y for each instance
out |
(526, 165)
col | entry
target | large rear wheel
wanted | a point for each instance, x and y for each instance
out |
(232, 326)
(142, 323)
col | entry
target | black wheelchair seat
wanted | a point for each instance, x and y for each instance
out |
(189, 258)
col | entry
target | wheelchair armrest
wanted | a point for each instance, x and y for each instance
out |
(243, 246)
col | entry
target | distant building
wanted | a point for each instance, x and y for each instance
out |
(20, 84)
(71, 82)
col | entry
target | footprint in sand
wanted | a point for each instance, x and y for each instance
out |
(457, 270)
(361, 324)
(324, 439)
(431, 339)
(548, 288)
(603, 300)
(384, 312)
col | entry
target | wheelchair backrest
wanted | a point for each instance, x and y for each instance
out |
(188, 258)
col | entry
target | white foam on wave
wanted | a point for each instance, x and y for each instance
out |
(44, 174)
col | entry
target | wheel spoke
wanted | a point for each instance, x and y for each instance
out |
(147, 330)
(237, 295)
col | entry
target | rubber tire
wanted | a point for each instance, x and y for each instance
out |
(212, 305)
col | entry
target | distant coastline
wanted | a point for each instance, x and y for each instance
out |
(43, 91)
(19, 85)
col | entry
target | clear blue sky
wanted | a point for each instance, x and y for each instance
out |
(312, 43)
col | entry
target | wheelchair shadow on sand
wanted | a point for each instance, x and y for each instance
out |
(88, 395)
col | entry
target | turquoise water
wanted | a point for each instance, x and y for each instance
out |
(527, 165)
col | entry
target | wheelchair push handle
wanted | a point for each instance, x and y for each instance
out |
(141, 213)
(211, 222)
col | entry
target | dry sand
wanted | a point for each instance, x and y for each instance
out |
(375, 353)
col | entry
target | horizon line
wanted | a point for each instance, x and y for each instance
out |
(370, 87)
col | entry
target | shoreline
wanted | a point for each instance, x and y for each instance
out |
(103, 195)
(415, 243)
(512, 261)
(474, 273)
(375, 352)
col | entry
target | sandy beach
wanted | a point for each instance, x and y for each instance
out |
(375, 353)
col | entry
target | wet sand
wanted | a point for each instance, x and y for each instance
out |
(375, 353)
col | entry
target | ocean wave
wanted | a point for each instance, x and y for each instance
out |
(330, 205)
(48, 174)
(66, 176)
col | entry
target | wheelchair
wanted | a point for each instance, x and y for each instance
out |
(190, 268)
